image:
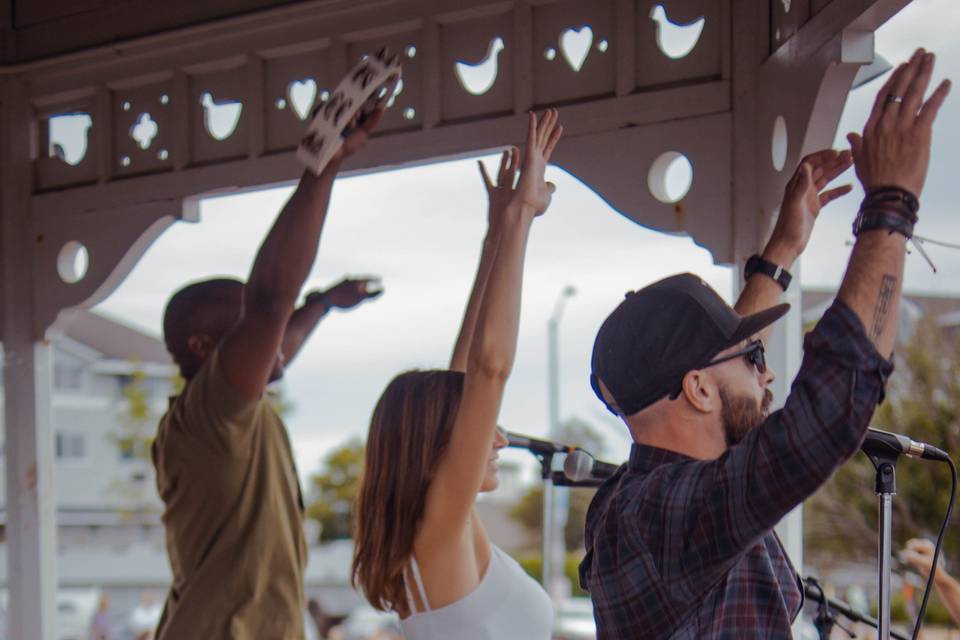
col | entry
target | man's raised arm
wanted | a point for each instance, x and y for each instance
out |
(249, 352)
(803, 198)
(891, 159)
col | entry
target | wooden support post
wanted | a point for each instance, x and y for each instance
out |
(31, 510)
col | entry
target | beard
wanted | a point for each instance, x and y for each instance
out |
(741, 414)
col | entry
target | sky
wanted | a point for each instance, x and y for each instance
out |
(420, 230)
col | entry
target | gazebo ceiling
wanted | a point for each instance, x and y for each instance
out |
(116, 115)
(33, 30)
(127, 132)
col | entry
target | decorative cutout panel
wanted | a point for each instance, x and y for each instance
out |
(574, 55)
(678, 41)
(142, 129)
(219, 124)
(665, 176)
(476, 67)
(292, 85)
(67, 154)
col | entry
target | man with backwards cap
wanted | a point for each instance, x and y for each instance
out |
(680, 541)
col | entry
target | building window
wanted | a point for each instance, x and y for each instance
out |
(71, 446)
(67, 375)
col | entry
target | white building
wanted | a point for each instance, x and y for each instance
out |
(109, 535)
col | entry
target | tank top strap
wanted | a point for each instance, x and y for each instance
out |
(415, 569)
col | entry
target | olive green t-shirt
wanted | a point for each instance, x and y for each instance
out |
(233, 516)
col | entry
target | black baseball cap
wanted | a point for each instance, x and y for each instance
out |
(659, 333)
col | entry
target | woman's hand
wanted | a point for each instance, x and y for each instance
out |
(533, 192)
(500, 192)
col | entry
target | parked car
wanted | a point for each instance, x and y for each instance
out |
(366, 622)
(574, 620)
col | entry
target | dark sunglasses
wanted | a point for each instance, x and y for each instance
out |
(753, 353)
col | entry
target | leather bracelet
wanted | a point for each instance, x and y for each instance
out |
(756, 264)
(871, 220)
(893, 195)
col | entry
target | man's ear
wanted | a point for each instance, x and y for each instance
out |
(700, 391)
(200, 346)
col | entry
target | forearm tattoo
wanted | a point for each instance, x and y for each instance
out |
(888, 286)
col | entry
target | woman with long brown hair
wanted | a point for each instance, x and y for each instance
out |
(421, 550)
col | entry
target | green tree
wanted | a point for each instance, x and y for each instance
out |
(133, 435)
(923, 400)
(528, 511)
(334, 489)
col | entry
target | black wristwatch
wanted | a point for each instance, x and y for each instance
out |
(756, 264)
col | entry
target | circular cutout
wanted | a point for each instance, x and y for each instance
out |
(670, 177)
(411, 51)
(72, 262)
(164, 98)
(409, 113)
(125, 161)
(602, 46)
(125, 105)
(281, 103)
(550, 53)
(779, 143)
(163, 154)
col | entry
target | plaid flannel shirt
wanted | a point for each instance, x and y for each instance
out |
(684, 548)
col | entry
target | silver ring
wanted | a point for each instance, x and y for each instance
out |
(892, 98)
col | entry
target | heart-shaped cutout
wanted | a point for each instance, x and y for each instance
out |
(575, 45)
(302, 93)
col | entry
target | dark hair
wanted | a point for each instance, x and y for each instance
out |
(208, 307)
(409, 433)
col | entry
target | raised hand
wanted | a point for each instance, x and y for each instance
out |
(349, 292)
(500, 193)
(533, 191)
(919, 554)
(804, 197)
(894, 149)
(359, 133)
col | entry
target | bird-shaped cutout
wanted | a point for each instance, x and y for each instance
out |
(676, 40)
(68, 137)
(220, 118)
(479, 78)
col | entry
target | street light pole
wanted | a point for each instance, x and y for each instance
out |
(555, 501)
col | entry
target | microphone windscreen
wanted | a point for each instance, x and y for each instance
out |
(578, 466)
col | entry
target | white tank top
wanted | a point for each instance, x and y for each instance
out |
(506, 604)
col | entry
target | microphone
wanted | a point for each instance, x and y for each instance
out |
(541, 447)
(880, 442)
(580, 466)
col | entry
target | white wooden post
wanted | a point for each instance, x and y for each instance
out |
(31, 510)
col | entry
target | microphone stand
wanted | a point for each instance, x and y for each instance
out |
(886, 487)
(829, 608)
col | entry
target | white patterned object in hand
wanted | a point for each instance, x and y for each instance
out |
(367, 87)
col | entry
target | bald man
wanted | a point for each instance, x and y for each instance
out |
(233, 508)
